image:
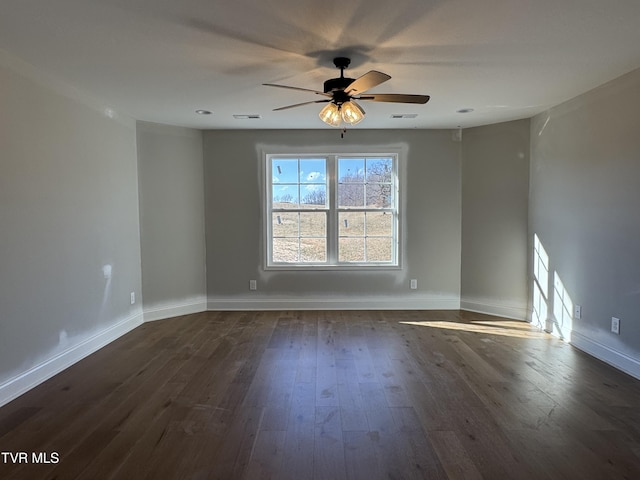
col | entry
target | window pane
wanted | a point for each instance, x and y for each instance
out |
(351, 224)
(284, 170)
(379, 170)
(380, 224)
(285, 196)
(379, 195)
(313, 224)
(313, 250)
(314, 196)
(351, 195)
(351, 182)
(313, 170)
(379, 249)
(351, 170)
(351, 249)
(286, 250)
(285, 224)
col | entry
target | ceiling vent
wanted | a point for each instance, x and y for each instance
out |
(246, 117)
(404, 115)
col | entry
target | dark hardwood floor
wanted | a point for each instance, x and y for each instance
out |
(329, 395)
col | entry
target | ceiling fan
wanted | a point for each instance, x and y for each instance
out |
(342, 92)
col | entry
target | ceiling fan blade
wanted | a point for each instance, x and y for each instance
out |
(366, 81)
(395, 98)
(317, 92)
(300, 104)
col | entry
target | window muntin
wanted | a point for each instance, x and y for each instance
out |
(331, 211)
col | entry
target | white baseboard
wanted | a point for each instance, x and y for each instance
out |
(616, 359)
(25, 381)
(163, 311)
(409, 302)
(507, 311)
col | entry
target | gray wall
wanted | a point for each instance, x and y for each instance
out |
(170, 168)
(430, 213)
(584, 206)
(495, 192)
(68, 208)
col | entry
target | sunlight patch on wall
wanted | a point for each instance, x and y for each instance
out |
(540, 283)
(562, 310)
(553, 314)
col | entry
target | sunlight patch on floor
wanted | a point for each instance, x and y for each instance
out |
(506, 329)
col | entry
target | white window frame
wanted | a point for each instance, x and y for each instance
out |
(332, 211)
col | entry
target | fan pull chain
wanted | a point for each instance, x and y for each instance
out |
(344, 130)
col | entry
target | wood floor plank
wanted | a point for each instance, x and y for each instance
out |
(423, 458)
(360, 456)
(326, 375)
(453, 457)
(299, 442)
(266, 460)
(329, 460)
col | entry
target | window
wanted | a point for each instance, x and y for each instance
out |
(331, 211)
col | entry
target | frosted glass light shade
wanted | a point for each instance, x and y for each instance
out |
(352, 113)
(331, 115)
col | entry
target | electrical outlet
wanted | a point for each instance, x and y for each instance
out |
(414, 284)
(577, 312)
(133, 298)
(615, 325)
(253, 285)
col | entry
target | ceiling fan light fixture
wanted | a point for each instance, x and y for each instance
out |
(340, 93)
(331, 115)
(352, 113)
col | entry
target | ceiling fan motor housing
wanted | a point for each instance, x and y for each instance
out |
(338, 85)
(334, 84)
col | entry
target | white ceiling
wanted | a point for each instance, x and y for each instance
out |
(160, 60)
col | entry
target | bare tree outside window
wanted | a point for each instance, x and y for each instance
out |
(315, 197)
